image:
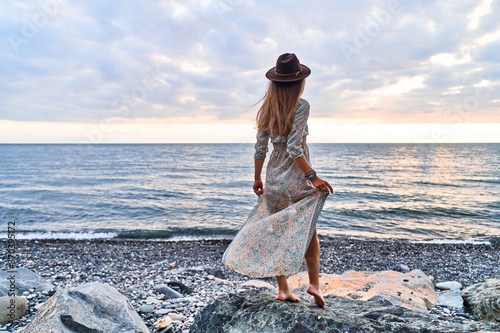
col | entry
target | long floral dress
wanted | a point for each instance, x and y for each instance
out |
(276, 235)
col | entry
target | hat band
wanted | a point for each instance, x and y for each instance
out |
(288, 75)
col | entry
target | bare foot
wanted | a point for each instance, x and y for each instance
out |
(318, 299)
(286, 296)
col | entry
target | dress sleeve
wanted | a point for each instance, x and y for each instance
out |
(261, 145)
(299, 130)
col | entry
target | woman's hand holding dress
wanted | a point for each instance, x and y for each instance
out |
(321, 184)
(258, 187)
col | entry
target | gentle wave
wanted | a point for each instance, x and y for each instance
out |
(452, 241)
(62, 235)
(192, 235)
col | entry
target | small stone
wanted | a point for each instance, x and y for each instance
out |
(176, 316)
(404, 268)
(166, 290)
(163, 322)
(188, 299)
(44, 287)
(180, 287)
(134, 288)
(152, 300)
(146, 308)
(448, 285)
(172, 265)
(19, 304)
(164, 311)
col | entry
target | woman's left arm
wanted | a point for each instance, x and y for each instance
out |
(295, 149)
(317, 182)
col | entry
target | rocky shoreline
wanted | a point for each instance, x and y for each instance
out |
(136, 268)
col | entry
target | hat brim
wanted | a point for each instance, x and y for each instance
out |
(271, 75)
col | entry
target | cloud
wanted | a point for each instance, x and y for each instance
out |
(92, 61)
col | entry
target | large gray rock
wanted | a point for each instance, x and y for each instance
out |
(92, 308)
(259, 311)
(484, 299)
(12, 308)
(24, 280)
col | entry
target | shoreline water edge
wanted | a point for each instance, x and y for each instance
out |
(136, 268)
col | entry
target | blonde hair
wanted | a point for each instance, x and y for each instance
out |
(280, 105)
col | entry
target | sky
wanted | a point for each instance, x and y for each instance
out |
(192, 71)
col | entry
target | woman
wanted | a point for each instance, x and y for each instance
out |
(281, 228)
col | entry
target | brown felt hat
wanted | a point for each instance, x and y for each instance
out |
(288, 69)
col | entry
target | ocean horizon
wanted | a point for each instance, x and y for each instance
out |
(420, 192)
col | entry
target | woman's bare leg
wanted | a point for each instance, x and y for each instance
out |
(284, 293)
(312, 262)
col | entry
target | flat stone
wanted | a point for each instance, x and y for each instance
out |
(163, 322)
(222, 281)
(135, 288)
(152, 300)
(164, 311)
(188, 299)
(176, 316)
(448, 285)
(146, 308)
(412, 290)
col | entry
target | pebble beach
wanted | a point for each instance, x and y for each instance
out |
(136, 267)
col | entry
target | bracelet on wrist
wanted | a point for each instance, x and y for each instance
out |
(311, 174)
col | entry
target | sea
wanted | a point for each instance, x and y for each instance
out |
(421, 192)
